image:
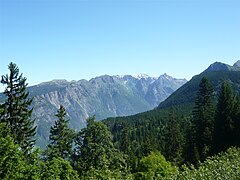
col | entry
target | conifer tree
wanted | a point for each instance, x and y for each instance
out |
(95, 149)
(224, 121)
(174, 139)
(236, 118)
(61, 137)
(124, 144)
(203, 119)
(191, 154)
(16, 111)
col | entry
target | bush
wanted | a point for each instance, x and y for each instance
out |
(154, 166)
(225, 165)
(58, 169)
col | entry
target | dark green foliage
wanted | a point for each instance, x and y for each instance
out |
(236, 118)
(227, 109)
(1, 112)
(191, 154)
(203, 119)
(16, 109)
(4, 130)
(124, 143)
(61, 137)
(174, 139)
(95, 150)
(138, 135)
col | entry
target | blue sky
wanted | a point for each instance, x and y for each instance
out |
(81, 39)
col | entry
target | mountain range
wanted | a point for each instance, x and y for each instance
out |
(122, 96)
(103, 96)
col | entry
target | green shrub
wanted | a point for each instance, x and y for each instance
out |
(154, 166)
(225, 165)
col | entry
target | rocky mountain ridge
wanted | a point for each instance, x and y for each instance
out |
(219, 66)
(103, 96)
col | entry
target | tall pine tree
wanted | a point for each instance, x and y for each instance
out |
(224, 121)
(236, 118)
(203, 119)
(174, 139)
(16, 111)
(61, 137)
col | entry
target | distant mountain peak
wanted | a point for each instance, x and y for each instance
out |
(165, 76)
(141, 76)
(54, 81)
(237, 64)
(218, 66)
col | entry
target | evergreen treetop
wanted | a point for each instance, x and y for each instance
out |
(16, 109)
(203, 119)
(61, 137)
(224, 120)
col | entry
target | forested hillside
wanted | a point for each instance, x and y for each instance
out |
(198, 120)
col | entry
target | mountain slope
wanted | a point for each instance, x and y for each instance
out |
(216, 73)
(104, 96)
(183, 99)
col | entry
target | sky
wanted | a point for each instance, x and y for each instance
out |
(82, 39)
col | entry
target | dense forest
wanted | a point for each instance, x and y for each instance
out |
(163, 144)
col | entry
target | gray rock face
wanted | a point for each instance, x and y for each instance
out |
(237, 64)
(104, 96)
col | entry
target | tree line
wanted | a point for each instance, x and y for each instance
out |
(148, 148)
